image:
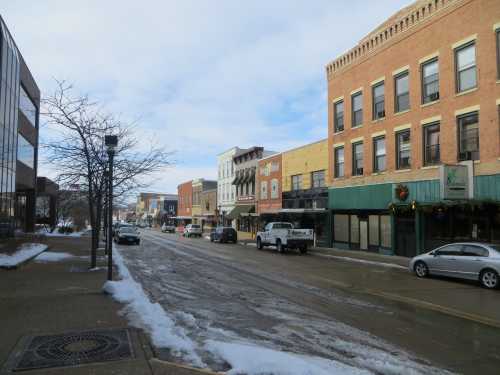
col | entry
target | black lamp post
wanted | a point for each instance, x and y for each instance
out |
(111, 141)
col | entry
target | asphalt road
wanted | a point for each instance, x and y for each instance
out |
(372, 317)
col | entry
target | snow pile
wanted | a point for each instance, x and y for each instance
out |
(149, 316)
(50, 256)
(254, 360)
(24, 252)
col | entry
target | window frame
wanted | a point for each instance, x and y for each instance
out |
(299, 182)
(457, 71)
(376, 167)
(354, 171)
(459, 136)
(399, 166)
(398, 76)
(425, 129)
(336, 164)
(336, 119)
(374, 103)
(422, 81)
(316, 173)
(353, 112)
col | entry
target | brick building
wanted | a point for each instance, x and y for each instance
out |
(419, 93)
(185, 204)
(269, 185)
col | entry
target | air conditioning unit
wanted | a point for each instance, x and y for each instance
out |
(434, 96)
(359, 171)
(380, 114)
(465, 155)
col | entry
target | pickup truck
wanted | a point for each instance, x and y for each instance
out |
(283, 236)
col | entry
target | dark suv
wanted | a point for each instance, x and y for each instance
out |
(224, 234)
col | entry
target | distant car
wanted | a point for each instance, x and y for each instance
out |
(127, 234)
(464, 260)
(168, 228)
(192, 230)
(118, 225)
(224, 234)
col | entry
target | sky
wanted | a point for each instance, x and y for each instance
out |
(200, 76)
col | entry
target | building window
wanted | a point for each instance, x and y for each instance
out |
(318, 179)
(403, 149)
(468, 134)
(263, 190)
(341, 228)
(402, 93)
(430, 81)
(465, 63)
(379, 154)
(25, 151)
(357, 159)
(339, 162)
(357, 109)
(378, 92)
(385, 231)
(338, 116)
(27, 107)
(432, 153)
(274, 188)
(498, 53)
(297, 182)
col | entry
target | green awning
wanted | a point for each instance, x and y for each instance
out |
(238, 210)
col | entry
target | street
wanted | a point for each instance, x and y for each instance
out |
(359, 314)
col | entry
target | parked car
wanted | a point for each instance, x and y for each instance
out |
(224, 234)
(118, 225)
(472, 261)
(283, 236)
(168, 228)
(192, 230)
(127, 234)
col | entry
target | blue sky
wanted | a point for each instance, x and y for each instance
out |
(202, 76)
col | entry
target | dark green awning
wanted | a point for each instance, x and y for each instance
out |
(238, 210)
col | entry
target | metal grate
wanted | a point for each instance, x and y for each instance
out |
(75, 348)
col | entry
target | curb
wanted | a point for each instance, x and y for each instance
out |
(161, 367)
(22, 263)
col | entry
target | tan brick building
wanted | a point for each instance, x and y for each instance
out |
(419, 92)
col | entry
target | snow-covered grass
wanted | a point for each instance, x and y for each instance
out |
(151, 317)
(364, 261)
(50, 256)
(255, 360)
(23, 253)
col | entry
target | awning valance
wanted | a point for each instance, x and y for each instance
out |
(238, 210)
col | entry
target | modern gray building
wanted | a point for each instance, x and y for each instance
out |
(19, 111)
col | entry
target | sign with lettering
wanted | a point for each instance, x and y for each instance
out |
(456, 181)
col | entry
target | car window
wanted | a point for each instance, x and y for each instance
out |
(196, 226)
(495, 247)
(475, 251)
(268, 227)
(127, 230)
(450, 250)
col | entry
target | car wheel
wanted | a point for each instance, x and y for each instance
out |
(211, 239)
(138, 242)
(489, 278)
(303, 249)
(279, 246)
(421, 269)
(259, 243)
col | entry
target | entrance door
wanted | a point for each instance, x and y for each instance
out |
(363, 235)
(405, 237)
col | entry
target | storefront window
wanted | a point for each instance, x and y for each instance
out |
(385, 231)
(341, 228)
(354, 229)
(373, 230)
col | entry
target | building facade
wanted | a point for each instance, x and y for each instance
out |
(413, 108)
(209, 209)
(199, 186)
(185, 204)
(19, 112)
(226, 191)
(269, 186)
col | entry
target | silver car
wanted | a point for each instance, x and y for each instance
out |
(473, 261)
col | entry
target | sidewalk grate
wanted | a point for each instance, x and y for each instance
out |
(75, 348)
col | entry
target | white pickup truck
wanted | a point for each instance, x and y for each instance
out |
(283, 236)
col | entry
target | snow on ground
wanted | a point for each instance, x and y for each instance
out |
(370, 262)
(57, 234)
(50, 256)
(149, 316)
(23, 253)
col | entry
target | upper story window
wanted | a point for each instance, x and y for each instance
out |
(403, 147)
(297, 182)
(25, 151)
(498, 52)
(379, 154)
(468, 136)
(402, 93)
(378, 92)
(465, 65)
(274, 188)
(263, 190)
(338, 116)
(357, 159)
(318, 179)
(432, 154)
(357, 109)
(430, 81)
(27, 107)
(339, 162)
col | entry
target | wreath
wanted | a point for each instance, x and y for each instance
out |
(402, 192)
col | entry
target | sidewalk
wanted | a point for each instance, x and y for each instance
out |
(60, 296)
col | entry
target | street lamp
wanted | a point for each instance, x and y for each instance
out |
(111, 141)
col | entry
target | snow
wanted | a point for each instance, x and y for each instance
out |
(364, 261)
(255, 360)
(151, 317)
(23, 253)
(57, 234)
(50, 256)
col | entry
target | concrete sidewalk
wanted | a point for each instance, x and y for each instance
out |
(63, 297)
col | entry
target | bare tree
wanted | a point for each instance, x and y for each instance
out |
(76, 149)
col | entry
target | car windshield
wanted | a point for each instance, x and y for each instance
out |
(195, 226)
(127, 230)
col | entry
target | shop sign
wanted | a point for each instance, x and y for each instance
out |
(456, 181)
